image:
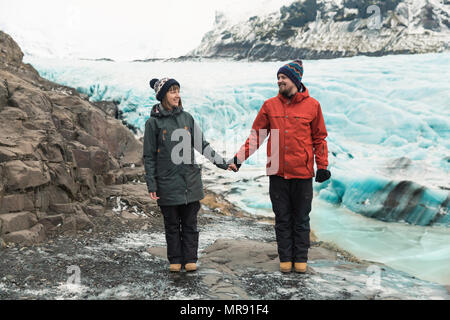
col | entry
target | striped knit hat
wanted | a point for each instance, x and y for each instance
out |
(161, 86)
(294, 71)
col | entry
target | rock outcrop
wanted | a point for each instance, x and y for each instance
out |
(249, 269)
(320, 29)
(57, 152)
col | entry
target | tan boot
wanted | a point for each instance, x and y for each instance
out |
(175, 267)
(300, 267)
(285, 266)
(190, 267)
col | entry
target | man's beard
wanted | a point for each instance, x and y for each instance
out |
(285, 92)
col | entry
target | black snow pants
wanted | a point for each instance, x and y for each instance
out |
(180, 223)
(291, 203)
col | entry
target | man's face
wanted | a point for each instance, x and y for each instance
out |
(286, 87)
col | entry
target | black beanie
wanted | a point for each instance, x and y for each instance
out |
(161, 86)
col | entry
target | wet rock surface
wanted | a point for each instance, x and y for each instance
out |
(123, 256)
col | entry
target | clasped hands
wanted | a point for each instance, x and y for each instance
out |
(231, 165)
(321, 174)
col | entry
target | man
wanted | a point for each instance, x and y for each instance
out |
(297, 136)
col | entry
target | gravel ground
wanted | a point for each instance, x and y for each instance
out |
(124, 258)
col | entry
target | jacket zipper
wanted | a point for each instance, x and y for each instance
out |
(184, 177)
(307, 160)
(186, 190)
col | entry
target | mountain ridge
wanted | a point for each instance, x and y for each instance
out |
(323, 29)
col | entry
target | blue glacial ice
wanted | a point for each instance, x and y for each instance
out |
(388, 122)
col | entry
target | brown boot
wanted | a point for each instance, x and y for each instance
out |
(300, 267)
(285, 266)
(175, 267)
(190, 267)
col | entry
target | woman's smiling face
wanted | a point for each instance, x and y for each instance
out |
(173, 96)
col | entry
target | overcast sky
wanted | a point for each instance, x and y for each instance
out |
(121, 30)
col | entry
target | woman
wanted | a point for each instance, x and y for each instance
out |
(173, 178)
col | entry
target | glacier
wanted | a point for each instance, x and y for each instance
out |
(388, 122)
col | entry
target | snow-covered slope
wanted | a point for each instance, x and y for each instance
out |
(315, 29)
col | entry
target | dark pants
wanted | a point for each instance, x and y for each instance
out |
(291, 203)
(180, 223)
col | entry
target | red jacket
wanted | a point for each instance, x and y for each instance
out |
(297, 134)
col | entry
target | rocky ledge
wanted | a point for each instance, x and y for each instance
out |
(125, 258)
(57, 151)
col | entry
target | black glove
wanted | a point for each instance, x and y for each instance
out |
(322, 175)
(223, 166)
(235, 161)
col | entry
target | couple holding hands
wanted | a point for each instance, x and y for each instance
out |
(296, 128)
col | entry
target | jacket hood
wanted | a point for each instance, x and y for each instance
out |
(298, 97)
(159, 111)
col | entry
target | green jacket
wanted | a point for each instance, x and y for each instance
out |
(170, 168)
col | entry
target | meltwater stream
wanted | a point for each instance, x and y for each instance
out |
(388, 122)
